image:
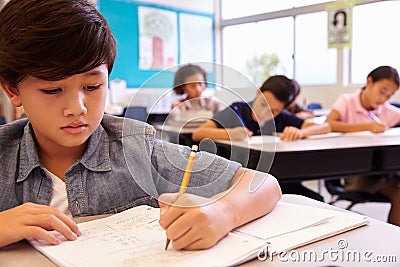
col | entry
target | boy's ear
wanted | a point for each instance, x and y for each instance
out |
(12, 94)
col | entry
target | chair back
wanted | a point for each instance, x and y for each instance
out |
(314, 105)
(136, 113)
(337, 189)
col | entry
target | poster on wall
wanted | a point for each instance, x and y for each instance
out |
(158, 38)
(196, 39)
(340, 24)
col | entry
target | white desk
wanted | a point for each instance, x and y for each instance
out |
(380, 238)
(318, 158)
(375, 239)
(176, 134)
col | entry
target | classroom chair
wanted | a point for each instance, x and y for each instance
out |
(314, 105)
(2, 120)
(136, 113)
(396, 104)
(337, 189)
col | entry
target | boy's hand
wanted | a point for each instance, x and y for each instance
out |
(193, 222)
(239, 133)
(291, 133)
(377, 127)
(35, 221)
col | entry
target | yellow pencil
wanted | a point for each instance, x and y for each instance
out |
(186, 178)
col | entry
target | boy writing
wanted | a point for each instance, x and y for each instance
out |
(65, 159)
(263, 116)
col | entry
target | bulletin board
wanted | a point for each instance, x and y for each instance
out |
(153, 39)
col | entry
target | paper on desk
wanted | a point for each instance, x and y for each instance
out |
(292, 217)
(268, 139)
(263, 139)
(340, 223)
(392, 132)
(299, 225)
(327, 135)
(135, 238)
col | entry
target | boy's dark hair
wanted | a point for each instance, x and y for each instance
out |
(184, 72)
(283, 88)
(385, 72)
(52, 39)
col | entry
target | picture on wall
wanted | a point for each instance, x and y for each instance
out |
(158, 40)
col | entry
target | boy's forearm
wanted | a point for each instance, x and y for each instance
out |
(252, 195)
(316, 129)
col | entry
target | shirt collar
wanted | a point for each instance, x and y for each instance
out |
(95, 158)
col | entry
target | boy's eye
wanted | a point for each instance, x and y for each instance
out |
(92, 87)
(51, 91)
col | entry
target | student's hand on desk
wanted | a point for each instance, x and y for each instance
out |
(193, 222)
(305, 114)
(291, 133)
(377, 127)
(239, 133)
(35, 221)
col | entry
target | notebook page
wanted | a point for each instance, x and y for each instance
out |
(341, 222)
(283, 219)
(263, 139)
(392, 132)
(135, 238)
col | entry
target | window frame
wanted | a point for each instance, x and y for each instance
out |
(343, 58)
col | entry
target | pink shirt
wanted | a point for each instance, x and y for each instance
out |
(351, 111)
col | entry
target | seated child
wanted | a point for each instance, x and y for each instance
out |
(264, 116)
(368, 109)
(191, 81)
(67, 159)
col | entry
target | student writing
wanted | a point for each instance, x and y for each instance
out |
(368, 109)
(262, 116)
(295, 108)
(69, 159)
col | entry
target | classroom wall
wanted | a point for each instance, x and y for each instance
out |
(325, 94)
(206, 6)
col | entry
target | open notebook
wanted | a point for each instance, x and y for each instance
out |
(134, 238)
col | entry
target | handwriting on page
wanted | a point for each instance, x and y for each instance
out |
(131, 238)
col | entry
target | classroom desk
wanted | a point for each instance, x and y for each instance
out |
(340, 155)
(378, 238)
(175, 134)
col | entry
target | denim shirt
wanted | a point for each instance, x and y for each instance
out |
(124, 166)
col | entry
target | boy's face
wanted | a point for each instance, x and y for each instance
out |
(266, 107)
(63, 113)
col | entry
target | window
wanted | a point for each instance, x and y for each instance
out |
(296, 31)
(314, 62)
(241, 43)
(240, 8)
(376, 39)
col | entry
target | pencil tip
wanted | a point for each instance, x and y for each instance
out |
(167, 244)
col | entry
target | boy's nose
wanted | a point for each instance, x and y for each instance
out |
(76, 105)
